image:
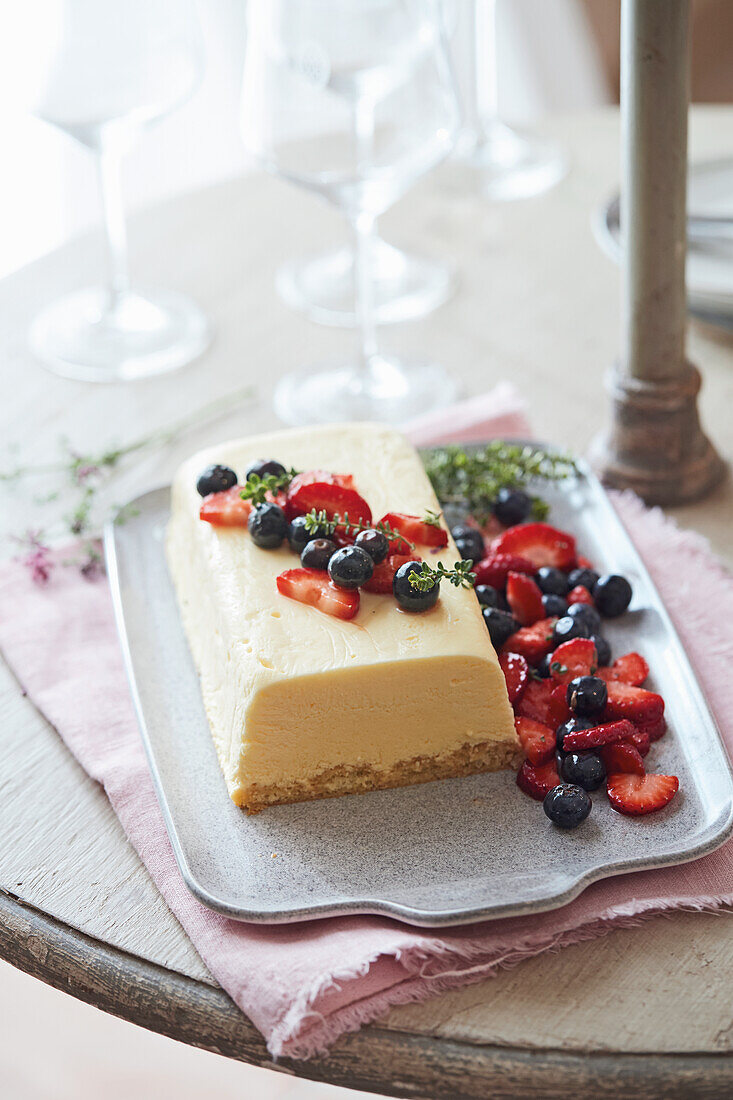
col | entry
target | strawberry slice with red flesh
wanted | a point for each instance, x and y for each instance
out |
(584, 563)
(312, 587)
(329, 498)
(574, 658)
(653, 730)
(226, 509)
(544, 702)
(383, 575)
(524, 598)
(516, 674)
(641, 741)
(640, 706)
(536, 739)
(629, 669)
(537, 781)
(539, 543)
(533, 642)
(495, 568)
(607, 734)
(635, 795)
(415, 531)
(580, 594)
(622, 757)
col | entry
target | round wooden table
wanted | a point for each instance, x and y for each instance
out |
(643, 1012)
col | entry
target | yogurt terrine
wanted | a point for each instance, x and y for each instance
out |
(306, 705)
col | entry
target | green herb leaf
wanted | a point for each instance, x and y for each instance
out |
(256, 488)
(461, 575)
(433, 519)
(316, 522)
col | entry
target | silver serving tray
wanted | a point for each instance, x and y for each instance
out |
(448, 852)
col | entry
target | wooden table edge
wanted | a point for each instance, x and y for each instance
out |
(392, 1062)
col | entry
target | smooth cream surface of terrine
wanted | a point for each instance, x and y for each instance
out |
(303, 703)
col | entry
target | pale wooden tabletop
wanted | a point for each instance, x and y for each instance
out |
(646, 1009)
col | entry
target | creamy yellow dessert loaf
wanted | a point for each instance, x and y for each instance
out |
(303, 705)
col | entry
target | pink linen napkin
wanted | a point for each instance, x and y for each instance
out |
(304, 985)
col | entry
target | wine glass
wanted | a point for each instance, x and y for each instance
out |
(111, 68)
(354, 100)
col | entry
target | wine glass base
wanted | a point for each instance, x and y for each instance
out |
(505, 165)
(143, 335)
(405, 286)
(393, 390)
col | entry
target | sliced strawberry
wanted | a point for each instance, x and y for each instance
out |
(415, 531)
(539, 543)
(580, 594)
(312, 587)
(516, 674)
(641, 741)
(495, 568)
(330, 498)
(537, 781)
(634, 703)
(309, 477)
(584, 563)
(226, 509)
(536, 739)
(545, 702)
(629, 669)
(524, 598)
(607, 734)
(622, 757)
(383, 575)
(574, 658)
(640, 794)
(654, 730)
(533, 642)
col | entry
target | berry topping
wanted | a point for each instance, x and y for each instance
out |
(265, 467)
(642, 707)
(313, 588)
(572, 725)
(551, 581)
(574, 658)
(567, 805)
(299, 536)
(501, 625)
(350, 567)
(585, 769)
(567, 628)
(587, 695)
(469, 542)
(543, 668)
(534, 641)
(383, 575)
(607, 734)
(495, 568)
(612, 595)
(641, 740)
(579, 597)
(488, 596)
(603, 649)
(584, 578)
(536, 739)
(215, 479)
(629, 669)
(537, 781)
(654, 729)
(554, 605)
(524, 599)
(407, 595)
(226, 509)
(586, 614)
(622, 757)
(268, 526)
(417, 531)
(640, 794)
(545, 702)
(374, 543)
(540, 543)
(516, 674)
(328, 497)
(511, 506)
(317, 554)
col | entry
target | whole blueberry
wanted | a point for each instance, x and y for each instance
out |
(555, 606)
(317, 554)
(264, 466)
(567, 805)
(543, 668)
(501, 625)
(267, 525)
(586, 577)
(552, 581)
(374, 543)
(511, 506)
(584, 613)
(603, 649)
(488, 596)
(587, 695)
(586, 769)
(299, 537)
(612, 594)
(572, 725)
(408, 597)
(215, 479)
(469, 542)
(567, 628)
(350, 567)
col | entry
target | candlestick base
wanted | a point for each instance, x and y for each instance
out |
(655, 445)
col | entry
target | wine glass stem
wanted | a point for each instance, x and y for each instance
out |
(110, 184)
(362, 223)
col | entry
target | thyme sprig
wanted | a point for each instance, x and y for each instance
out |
(461, 575)
(256, 488)
(474, 477)
(320, 523)
(433, 519)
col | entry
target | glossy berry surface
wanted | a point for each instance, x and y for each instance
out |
(551, 581)
(585, 769)
(572, 725)
(469, 542)
(299, 537)
(350, 567)
(543, 668)
(408, 597)
(264, 466)
(612, 594)
(511, 506)
(555, 606)
(587, 695)
(488, 596)
(584, 577)
(317, 554)
(603, 648)
(374, 543)
(215, 479)
(584, 613)
(501, 625)
(268, 526)
(567, 805)
(567, 628)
